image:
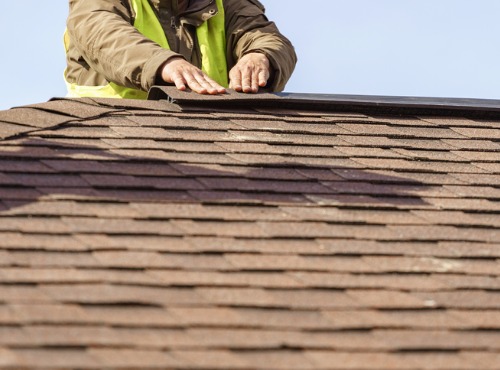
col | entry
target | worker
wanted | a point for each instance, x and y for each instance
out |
(121, 48)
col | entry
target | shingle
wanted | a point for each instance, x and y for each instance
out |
(74, 108)
(471, 282)
(78, 132)
(126, 358)
(213, 359)
(36, 225)
(325, 230)
(141, 132)
(19, 241)
(481, 319)
(207, 316)
(278, 359)
(130, 316)
(299, 126)
(448, 121)
(353, 151)
(435, 166)
(465, 144)
(471, 299)
(8, 358)
(10, 129)
(409, 248)
(442, 360)
(396, 318)
(137, 105)
(370, 141)
(490, 167)
(464, 204)
(248, 297)
(371, 129)
(22, 294)
(427, 265)
(431, 155)
(387, 299)
(458, 218)
(334, 214)
(56, 358)
(219, 212)
(314, 299)
(255, 245)
(224, 279)
(478, 156)
(53, 259)
(131, 239)
(142, 195)
(477, 133)
(189, 122)
(24, 166)
(301, 263)
(478, 179)
(48, 180)
(117, 294)
(370, 281)
(33, 117)
(118, 226)
(445, 233)
(308, 139)
(423, 144)
(190, 261)
(135, 242)
(350, 360)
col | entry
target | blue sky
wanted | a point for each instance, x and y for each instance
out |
(440, 48)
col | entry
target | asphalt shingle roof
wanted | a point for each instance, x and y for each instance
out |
(248, 234)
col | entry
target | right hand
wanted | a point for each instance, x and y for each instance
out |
(183, 74)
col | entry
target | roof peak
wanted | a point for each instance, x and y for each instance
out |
(374, 104)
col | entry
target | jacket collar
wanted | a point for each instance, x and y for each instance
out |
(198, 12)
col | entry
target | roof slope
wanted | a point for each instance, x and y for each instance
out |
(156, 235)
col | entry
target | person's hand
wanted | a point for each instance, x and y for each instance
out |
(183, 74)
(251, 72)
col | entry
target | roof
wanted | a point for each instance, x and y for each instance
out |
(195, 232)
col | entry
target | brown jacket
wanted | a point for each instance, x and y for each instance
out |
(104, 46)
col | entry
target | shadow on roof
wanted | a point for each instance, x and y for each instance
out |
(36, 169)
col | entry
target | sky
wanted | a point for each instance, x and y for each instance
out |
(427, 48)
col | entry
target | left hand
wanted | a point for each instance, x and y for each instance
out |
(251, 72)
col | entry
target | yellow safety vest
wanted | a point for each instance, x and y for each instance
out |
(211, 39)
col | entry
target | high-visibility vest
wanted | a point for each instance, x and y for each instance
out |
(211, 37)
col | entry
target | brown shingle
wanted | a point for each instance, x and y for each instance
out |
(146, 234)
(477, 133)
(116, 294)
(55, 358)
(471, 299)
(387, 299)
(143, 358)
(226, 279)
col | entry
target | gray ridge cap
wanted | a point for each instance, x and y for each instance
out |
(375, 104)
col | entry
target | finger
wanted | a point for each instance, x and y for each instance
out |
(206, 83)
(179, 81)
(235, 80)
(263, 77)
(246, 80)
(220, 89)
(255, 81)
(193, 83)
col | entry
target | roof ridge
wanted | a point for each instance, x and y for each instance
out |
(371, 104)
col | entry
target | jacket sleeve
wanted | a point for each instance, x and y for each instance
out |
(103, 33)
(248, 30)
